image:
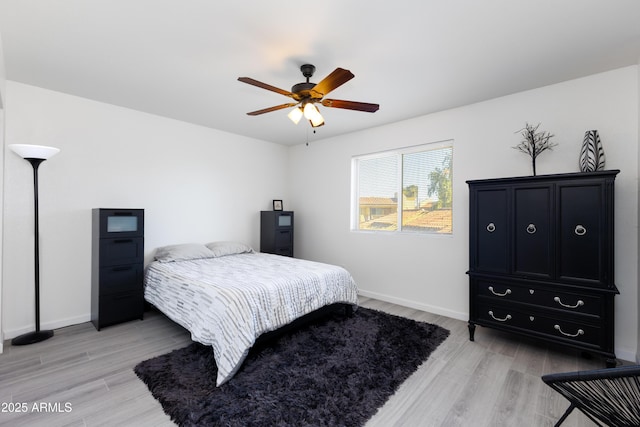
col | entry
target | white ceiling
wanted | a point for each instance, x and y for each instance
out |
(181, 58)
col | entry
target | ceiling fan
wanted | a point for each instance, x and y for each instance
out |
(307, 94)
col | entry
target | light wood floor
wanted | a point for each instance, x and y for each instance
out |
(494, 381)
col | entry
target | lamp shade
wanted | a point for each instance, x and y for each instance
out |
(27, 151)
(312, 113)
(295, 115)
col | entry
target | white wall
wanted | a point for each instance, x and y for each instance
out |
(2, 98)
(3, 75)
(195, 184)
(638, 284)
(428, 272)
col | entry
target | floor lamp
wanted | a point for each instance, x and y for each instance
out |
(34, 154)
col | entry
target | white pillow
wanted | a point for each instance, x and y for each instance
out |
(183, 252)
(228, 248)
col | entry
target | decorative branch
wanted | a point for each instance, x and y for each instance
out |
(534, 142)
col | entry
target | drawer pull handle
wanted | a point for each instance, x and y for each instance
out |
(491, 227)
(122, 241)
(508, 317)
(531, 229)
(559, 301)
(580, 230)
(498, 294)
(557, 328)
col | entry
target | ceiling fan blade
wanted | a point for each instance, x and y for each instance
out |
(351, 105)
(270, 109)
(337, 78)
(253, 82)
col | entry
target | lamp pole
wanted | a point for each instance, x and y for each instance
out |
(34, 154)
(36, 232)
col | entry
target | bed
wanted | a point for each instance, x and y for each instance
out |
(227, 295)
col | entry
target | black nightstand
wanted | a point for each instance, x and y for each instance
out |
(117, 266)
(276, 232)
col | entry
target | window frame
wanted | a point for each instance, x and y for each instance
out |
(354, 214)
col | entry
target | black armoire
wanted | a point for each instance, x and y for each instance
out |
(541, 258)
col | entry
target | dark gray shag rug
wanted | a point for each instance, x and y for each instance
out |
(336, 371)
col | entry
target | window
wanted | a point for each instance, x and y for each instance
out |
(408, 190)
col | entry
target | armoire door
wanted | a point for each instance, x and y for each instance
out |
(533, 231)
(491, 230)
(582, 234)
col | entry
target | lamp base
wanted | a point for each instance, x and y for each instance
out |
(31, 337)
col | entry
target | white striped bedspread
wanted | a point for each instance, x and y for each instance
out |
(229, 301)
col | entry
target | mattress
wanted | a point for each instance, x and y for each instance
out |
(229, 301)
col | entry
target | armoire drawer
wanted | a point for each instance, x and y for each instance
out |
(285, 251)
(121, 251)
(558, 298)
(283, 237)
(569, 328)
(120, 307)
(120, 278)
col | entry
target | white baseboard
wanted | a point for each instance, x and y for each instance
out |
(418, 306)
(47, 325)
(626, 355)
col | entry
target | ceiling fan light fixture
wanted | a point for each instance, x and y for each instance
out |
(312, 114)
(295, 115)
(310, 111)
(317, 120)
(317, 123)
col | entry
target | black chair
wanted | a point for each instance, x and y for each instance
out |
(609, 397)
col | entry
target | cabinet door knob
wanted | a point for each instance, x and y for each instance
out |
(559, 301)
(504, 319)
(491, 227)
(580, 230)
(498, 294)
(557, 328)
(531, 228)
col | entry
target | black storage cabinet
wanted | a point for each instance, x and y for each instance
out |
(117, 266)
(541, 258)
(276, 232)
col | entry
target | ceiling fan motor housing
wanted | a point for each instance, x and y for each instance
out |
(303, 89)
(307, 70)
